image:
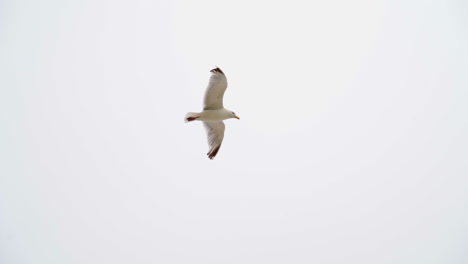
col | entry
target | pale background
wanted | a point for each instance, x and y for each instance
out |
(351, 148)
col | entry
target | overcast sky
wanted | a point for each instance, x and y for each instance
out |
(351, 147)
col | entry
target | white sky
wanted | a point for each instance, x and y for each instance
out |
(351, 148)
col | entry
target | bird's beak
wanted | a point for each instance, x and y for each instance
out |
(237, 117)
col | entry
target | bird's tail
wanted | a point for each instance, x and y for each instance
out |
(191, 116)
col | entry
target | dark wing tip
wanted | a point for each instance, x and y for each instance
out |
(213, 152)
(217, 69)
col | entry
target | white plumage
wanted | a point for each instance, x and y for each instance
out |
(213, 111)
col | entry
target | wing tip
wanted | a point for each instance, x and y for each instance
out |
(213, 152)
(217, 69)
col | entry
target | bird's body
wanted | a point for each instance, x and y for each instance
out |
(210, 115)
(213, 112)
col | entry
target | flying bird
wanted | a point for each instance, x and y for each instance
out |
(213, 112)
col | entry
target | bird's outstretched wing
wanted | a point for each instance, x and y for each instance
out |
(215, 134)
(214, 92)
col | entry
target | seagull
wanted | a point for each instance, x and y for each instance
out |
(213, 112)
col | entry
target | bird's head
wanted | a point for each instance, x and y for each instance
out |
(233, 115)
